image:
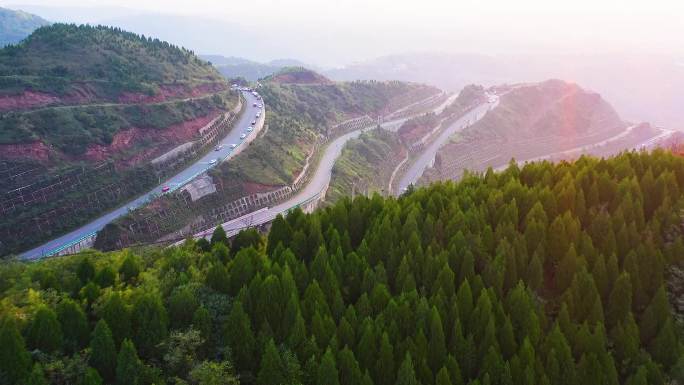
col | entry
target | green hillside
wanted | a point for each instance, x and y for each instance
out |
(299, 113)
(58, 59)
(16, 25)
(366, 164)
(549, 274)
(299, 120)
(83, 112)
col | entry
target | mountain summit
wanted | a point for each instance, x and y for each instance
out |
(16, 25)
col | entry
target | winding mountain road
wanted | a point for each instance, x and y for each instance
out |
(180, 179)
(316, 186)
(427, 157)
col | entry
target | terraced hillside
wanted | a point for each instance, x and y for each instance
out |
(300, 120)
(366, 165)
(537, 120)
(84, 111)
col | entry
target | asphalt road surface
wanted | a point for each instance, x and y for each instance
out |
(175, 182)
(426, 158)
(319, 182)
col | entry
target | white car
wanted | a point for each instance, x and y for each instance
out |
(243, 136)
(250, 129)
(259, 105)
(233, 145)
(218, 148)
(213, 161)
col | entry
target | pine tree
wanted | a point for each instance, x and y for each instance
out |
(103, 351)
(44, 332)
(128, 365)
(15, 361)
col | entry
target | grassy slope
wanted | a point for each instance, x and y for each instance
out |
(296, 115)
(366, 164)
(549, 108)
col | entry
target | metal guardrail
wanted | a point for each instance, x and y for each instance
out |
(67, 245)
(58, 249)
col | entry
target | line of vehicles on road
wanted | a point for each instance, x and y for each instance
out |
(232, 146)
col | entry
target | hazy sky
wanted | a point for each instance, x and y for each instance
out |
(349, 30)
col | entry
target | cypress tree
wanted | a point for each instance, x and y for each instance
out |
(201, 321)
(129, 269)
(384, 367)
(44, 332)
(128, 365)
(240, 337)
(437, 345)
(349, 370)
(655, 316)
(442, 377)
(182, 306)
(620, 301)
(271, 368)
(36, 377)
(103, 352)
(219, 236)
(91, 377)
(105, 277)
(15, 361)
(149, 323)
(406, 374)
(327, 370)
(85, 270)
(665, 348)
(118, 317)
(74, 325)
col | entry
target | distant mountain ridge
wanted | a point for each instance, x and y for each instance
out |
(59, 58)
(655, 95)
(16, 25)
(236, 67)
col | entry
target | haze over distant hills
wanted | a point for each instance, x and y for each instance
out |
(655, 95)
(16, 25)
(233, 67)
